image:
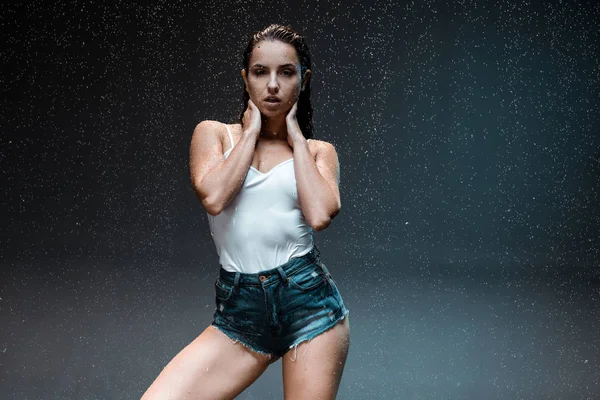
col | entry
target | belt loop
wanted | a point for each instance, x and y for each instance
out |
(317, 250)
(236, 282)
(283, 275)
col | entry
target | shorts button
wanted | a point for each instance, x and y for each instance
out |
(262, 278)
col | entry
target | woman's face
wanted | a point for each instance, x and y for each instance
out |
(273, 71)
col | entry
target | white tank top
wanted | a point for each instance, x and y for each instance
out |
(263, 225)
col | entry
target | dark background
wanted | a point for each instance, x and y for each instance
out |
(467, 248)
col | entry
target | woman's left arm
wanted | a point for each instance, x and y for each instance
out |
(317, 180)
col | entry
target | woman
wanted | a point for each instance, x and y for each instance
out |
(266, 187)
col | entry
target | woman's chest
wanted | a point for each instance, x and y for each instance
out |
(267, 158)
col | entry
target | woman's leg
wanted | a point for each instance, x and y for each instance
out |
(314, 369)
(211, 367)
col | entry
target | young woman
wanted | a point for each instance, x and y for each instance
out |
(266, 187)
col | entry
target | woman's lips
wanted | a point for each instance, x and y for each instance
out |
(272, 103)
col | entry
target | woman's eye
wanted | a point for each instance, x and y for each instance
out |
(286, 72)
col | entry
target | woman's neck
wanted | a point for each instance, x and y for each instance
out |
(274, 128)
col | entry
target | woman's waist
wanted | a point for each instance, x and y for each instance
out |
(254, 257)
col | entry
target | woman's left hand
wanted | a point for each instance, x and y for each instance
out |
(293, 129)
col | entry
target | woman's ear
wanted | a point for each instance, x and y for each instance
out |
(245, 78)
(305, 79)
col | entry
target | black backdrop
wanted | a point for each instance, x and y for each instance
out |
(467, 245)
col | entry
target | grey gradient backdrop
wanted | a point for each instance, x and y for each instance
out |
(467, 248)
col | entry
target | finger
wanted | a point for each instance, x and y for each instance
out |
(292, 112)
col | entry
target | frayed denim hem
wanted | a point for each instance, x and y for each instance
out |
(271, 356)
(317, 333)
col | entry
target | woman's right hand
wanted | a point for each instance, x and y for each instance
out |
(251, 121)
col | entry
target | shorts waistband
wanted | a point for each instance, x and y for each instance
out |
(266, 277)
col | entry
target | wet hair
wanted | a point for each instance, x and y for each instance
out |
(287, 35)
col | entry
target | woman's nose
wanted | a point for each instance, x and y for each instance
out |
(273, 84)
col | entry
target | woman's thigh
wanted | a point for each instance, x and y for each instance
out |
(211, 367)
(314, 369)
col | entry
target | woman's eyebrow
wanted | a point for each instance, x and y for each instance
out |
(281, 66)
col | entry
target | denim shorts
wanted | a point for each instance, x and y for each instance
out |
(273, 311)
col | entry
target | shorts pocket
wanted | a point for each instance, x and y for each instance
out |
(308, 279)
(223, 290)
(335, 292)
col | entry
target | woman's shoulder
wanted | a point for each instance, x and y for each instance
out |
(319, 142)
(322, 148)
(219, 124)
(320, 145)
(220, 128)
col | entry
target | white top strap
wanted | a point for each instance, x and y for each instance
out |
(230, 137)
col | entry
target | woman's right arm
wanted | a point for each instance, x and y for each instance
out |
(216, 180)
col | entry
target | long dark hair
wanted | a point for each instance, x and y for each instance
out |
(287, 35)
